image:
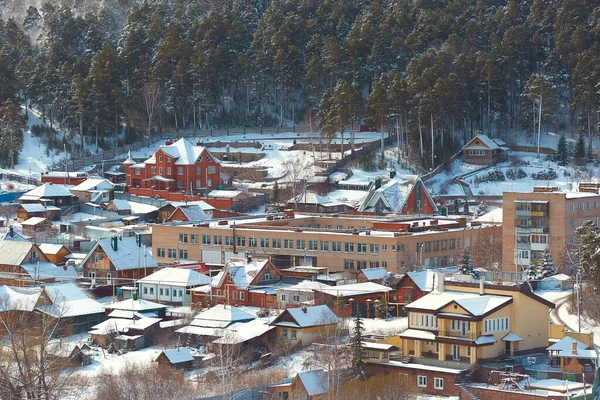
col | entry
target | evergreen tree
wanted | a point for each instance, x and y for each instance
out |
(562, 153)
(465, 266)
(466, 207)
(482, 209)
(357, 347)
(275, 194)
(547, 267)
(12, 124)
(580, 150)
(456, 206)
(588, 251)
(382, 308)
(532, 272)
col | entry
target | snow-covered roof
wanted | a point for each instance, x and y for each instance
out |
(487, 142)
(93, 184)
(512, 337)
(127, 254)
(241, 332)
(193, 212)
(135, 305)
(33, 207)
(22, 299)
(69, 301)
(377, 346)
(185, 152)
(13, 252)
(315, 382)
(47, 270)
(49, 248)
(494, 216)
(558, 277)
(129, 159)
(222, 313)
(417, 334)
(306, 285)
(177, 277)
(565, 345)
(204, 205)
(374, 273)
(473, 303)
(179, 355)
(47, 190)
(121, 204)
(14, 235)
(354, 289)
(241, 271)
(34, 221)
(226, 194)
(393, 195)
(486, 339)
(423, 279)
(308, 316)
(119, 325)
(313, 198)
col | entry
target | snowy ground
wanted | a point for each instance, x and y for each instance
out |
(386, 327)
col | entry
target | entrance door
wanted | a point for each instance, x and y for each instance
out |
(463, 329)
(455, 352)
(108, 279)
(507, 348)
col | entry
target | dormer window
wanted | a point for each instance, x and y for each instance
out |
(229, 278)
(208, 159)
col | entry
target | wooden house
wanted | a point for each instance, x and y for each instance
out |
(94, 190)
(117, 260)
(307, 385)
(56, 253)
(485, 151)
(50, 194)
(353, 299)
(36, 225)
(27, 211)
(305, 324)
(179, 358)
(376, 275)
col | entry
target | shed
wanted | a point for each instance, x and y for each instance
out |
(179, 358)
(558, 282)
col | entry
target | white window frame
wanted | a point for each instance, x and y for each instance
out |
(421, 381)
(438, 383)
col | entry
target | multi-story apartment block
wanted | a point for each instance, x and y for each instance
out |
(540, 221)
(174, 167)
(338, 243)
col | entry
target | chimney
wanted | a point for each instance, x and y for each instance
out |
(574, 347)
(249, 258)
(481, 286)
(11, 231)
(65, 267)
(304, 309)
(439, 287)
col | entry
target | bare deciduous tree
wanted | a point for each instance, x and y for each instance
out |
(298, 171)
(151, 99)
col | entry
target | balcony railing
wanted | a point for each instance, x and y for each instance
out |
(458, 334)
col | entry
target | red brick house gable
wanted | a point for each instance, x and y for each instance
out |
(175, 167)
(414, 285)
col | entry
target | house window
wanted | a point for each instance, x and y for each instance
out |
(283, 297)
(168, 159)
(168, 170)
(160, 170)
(300, 245)
(374, 248)
(160, 158)
(137, 171)
(234, 295)
(362, 264)
(241, 241)
(211, 170)
(361, 248)
(284, 333)
(151, 291)
(384, 247)
(324, 246)
(183, 238)
(172, 253)
(218, 240)
(205, 239)
(296, 298)
(421, 381)
(153, 170)
(242, 295)
(179, 170)
(438, 383)
(336, 247)
(183, 254)
(166, 292)
(276, 243)
(209, 182)
(198, 170)
(160, 252)
(293, 334)
(348, 247)
(288, 244)
(145, 290)
(348, 264)
(161, 291)
(312, 245)
(252, 242)
(264, 243)
(373, 264)
(198, 184)
(228, 240)
(180, 183)
(193, 238)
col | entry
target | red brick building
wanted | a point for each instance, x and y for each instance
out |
(179, 167)
(414, 285)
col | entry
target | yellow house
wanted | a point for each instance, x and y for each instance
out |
(305, 325)
(466, 322)
(379, 352)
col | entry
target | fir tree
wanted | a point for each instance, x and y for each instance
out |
(275, 194)
(465, 266)
(532, 272)
(12, 124)
(456, 206)
(466, 207)
(357, 347)
(590, 152)
(580, 150)
(482, 209)
(562, 153)
(382, 308)
(547, 267)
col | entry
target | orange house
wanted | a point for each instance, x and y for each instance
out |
(56, 253)
(178, 167)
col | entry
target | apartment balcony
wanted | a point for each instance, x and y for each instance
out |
(524, 246)
(523, 213)
(544, 230)
(458, 334)
(523, 229)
